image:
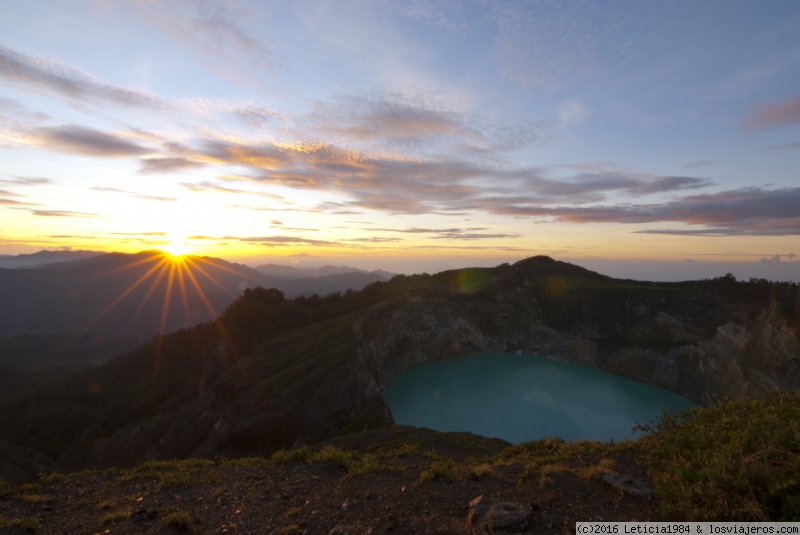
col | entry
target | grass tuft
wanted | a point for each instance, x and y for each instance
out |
(177, 519)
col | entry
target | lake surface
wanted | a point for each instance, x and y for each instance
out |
(525, 397)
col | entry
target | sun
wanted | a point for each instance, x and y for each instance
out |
(177, 248)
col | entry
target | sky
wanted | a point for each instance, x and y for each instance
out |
(649, 139)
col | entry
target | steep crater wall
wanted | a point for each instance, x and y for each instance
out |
(691, 343)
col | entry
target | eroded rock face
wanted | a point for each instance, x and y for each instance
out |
(690, 341)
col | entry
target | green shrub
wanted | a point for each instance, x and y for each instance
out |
(334, 455)
(302, 454)
(732, 461)
(440, 467)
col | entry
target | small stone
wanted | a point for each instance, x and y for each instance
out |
(628, 485)
(492, 514)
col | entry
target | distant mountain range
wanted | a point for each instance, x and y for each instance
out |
(290, 272)
(43, 258)
(127, 298)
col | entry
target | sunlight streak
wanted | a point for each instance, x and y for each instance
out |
(163, 264)
(124, 294)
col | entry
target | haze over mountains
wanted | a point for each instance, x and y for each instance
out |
(72, 307)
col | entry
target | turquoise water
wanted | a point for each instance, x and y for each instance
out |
(525, 397)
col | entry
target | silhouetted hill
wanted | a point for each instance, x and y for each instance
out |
(271, 372)
(36, 351)
(131, 295)
(43, 258)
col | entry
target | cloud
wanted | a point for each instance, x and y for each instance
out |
(547, 46)
(372, 120)
(137, 195)
(167, 165)
(15, 202)
(257, 156)
(386, 182)
(785, 113)
(75, 139)
(212, 30)
(277, 241)
(698, 163)
(785, 146)
(571, 112)
(747, 211)
(256, 116)
(392, 122)
(375, 239)
(441, 13)
(669, 183)
(60, 213)
(472, 236)
(448, 233)
(211, 186)
(69, 83)
(138, 234)
(28, 181)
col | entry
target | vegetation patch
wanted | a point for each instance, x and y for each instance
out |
(177, 519)
(735, 461)
(116, 516)
(27, 523)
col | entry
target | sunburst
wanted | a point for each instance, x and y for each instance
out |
(177, 248)
(180, 275)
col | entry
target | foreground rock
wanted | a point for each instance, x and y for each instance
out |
(488, 515)
(629, 485)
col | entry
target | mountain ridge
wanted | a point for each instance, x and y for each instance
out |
(272, 372)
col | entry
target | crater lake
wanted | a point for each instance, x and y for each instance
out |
(519, 398)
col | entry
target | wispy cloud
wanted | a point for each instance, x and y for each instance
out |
(390, 120)
(669, 184)
(696, 164)
(748, 211)
(380, 119)
(149, 234)
(14, 202)
(28, 181)
(60, 213)
(473, 236)
(775, 115)
(136, 195)
(167, 165)
(571, 112)
(80, 140)
(213, 30)
(69, 83)
(779, 147)
(547, 46)
(279, 241)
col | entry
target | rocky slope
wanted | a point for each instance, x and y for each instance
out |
(272, 373)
